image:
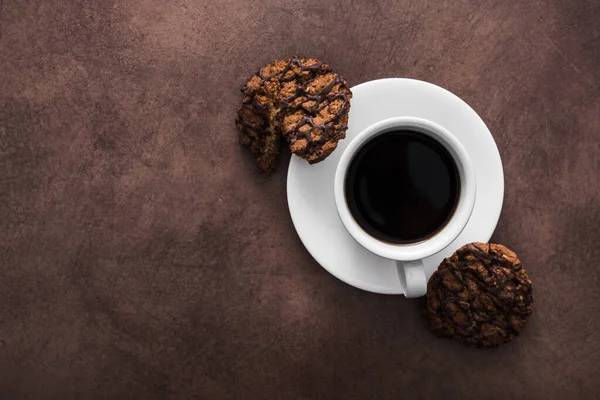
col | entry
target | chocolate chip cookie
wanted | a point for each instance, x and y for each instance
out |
(480, 296)
(301, 100)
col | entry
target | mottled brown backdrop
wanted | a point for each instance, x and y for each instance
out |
(142, 254)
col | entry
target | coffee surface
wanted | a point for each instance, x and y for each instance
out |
(402, 187)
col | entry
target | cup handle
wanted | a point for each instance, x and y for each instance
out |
(412, 277)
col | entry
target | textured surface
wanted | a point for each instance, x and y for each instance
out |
(143, 254)
(480, 296)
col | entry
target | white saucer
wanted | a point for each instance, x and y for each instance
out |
(310, 187)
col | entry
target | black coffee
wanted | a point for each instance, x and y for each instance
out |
(402, 187)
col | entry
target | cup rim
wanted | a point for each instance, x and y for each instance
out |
(462, 212)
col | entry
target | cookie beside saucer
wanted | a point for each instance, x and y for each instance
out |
(480, 296)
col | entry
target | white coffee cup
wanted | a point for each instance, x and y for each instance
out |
(409, 257)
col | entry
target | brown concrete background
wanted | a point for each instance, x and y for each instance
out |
(142, 255)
